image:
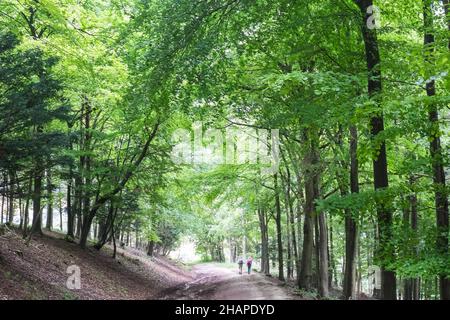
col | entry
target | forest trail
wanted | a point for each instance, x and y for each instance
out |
(215, 282)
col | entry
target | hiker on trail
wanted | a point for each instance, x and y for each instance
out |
(240, 263)
(249, 264)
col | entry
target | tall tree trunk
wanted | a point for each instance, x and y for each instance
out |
(294, 239)
(290, 261)
(292, 222)
(2, 207)
(305, 279)
(20, 213)
(78, 203)
(306, 275)
(27, 206)
(49, 224)
(11, 200)
(441, 198)
(323, 256)
(70, 211)
(86, 162)
(299, 227)
(265, 264)
(96, 227)
(351, 230)
(278, 227)
(410, 218)
(332, 275)
(295, 263)
(380, 169)
(60, 214)
(113, 234)
(37, 217)
(407, 282)
(414, 224)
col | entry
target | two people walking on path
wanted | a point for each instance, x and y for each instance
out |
(249, 264)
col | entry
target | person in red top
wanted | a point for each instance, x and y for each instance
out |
(249, 264)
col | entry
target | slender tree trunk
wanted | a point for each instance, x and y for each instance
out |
(114, 242)
(60, 214)
(49, 224)
(79, 223)
(380, 169)
(11, 200)
(316, 248)
(2, 208)
(37, 217)
(27, 206)
(7, 197)
(77, 204)
(70, 211)
(86, 214)
(3, 202)
(351, 230)
(265, 263)
(96, 227)
(441, 198)
(289, 262)
(332, 270)
(279, 231)
(299, 230)
(11, 208)
(323, 256)
(294, 240)
(305, 279)
(20, 213)
(407, 282)
(415, 286)
(292, 223)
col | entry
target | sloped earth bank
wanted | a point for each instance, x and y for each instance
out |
(215, 282)
(39, 271)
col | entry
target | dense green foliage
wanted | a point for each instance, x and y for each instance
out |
(93, 95)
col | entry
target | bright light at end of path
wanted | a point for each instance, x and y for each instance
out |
(185, 252)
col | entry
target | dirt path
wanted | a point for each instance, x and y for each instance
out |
(216, 282)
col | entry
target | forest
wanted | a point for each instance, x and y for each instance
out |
(313, 136)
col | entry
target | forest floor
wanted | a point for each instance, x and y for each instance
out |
(39, 271)
(216, 282)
